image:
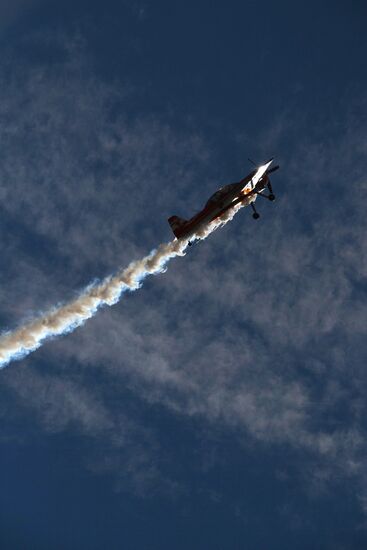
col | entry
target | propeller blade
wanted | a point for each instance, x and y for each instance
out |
(273, 169)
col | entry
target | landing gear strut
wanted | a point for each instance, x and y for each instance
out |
(271, 195)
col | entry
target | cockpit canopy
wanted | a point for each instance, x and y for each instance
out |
(220, 194)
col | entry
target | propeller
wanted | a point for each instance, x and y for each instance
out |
(273, 169)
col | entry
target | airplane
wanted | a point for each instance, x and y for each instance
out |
(245, 191)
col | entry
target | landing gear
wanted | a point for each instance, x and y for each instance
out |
(255, 214)
(271, 195)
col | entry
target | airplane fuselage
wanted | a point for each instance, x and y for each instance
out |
(225, 198)
(216, 208)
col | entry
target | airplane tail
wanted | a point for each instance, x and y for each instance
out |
(176, 224)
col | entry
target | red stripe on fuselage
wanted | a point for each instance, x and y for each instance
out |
(205, 217)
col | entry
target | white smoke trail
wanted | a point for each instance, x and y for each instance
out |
(63, 319)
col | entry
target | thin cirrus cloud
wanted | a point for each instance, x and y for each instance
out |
(258, 329)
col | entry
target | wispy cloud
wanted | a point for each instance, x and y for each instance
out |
(260, 330)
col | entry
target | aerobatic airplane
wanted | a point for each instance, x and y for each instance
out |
(245, 191)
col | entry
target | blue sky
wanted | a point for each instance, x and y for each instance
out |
(223, 404)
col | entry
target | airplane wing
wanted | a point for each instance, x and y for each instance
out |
(259, 174)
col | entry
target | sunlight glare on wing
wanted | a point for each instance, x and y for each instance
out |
(256, 178)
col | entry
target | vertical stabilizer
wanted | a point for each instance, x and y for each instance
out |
(176, 224)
